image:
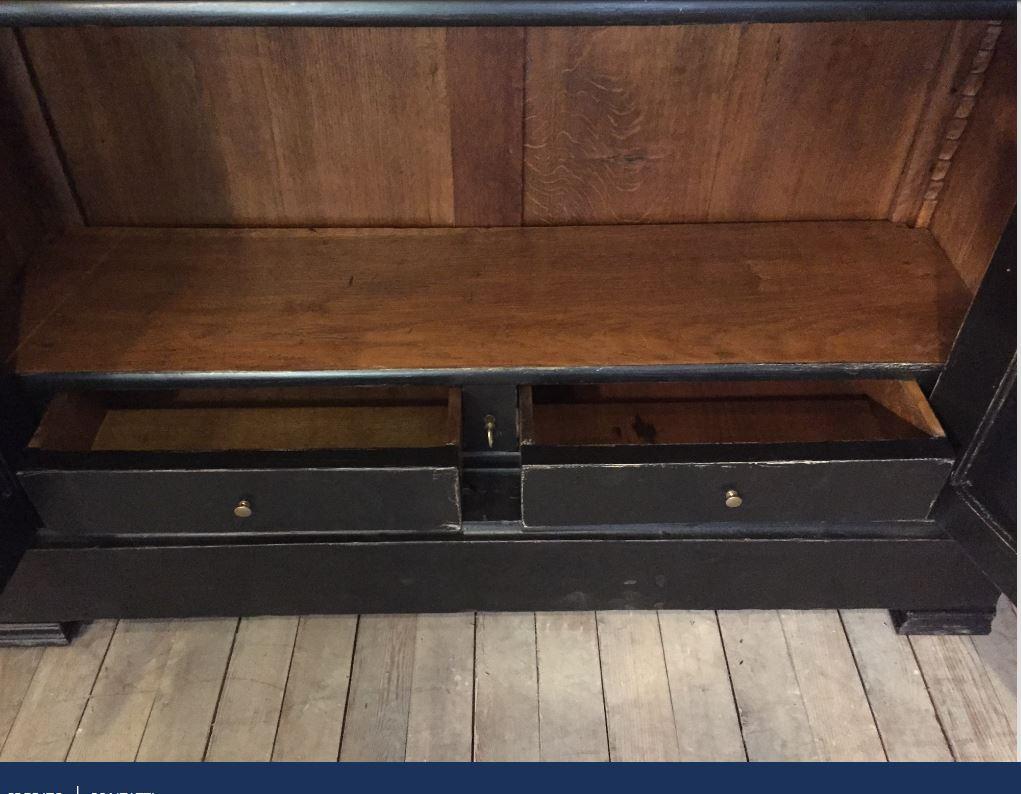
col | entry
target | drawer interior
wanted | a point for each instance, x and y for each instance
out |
(252, 419)
(726, 412)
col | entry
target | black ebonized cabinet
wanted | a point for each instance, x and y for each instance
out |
(788, 381)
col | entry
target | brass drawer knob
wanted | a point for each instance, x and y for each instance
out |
(243, 509)
(732, 498)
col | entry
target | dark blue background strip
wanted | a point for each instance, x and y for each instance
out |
(680, 778)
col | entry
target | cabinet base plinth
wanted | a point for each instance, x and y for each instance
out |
(950, 621)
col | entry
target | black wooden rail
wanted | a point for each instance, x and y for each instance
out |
(492, 12)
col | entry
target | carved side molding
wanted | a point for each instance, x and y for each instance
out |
(958, 122)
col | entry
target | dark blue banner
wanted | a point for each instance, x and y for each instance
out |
(103, 778)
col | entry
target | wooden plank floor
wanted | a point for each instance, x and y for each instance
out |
(624, 686)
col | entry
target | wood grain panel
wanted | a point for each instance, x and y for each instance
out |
(48, 284)
(35, 199)
(726, 412)
(31, 153)
(485, 68)
(295, 126)
(980, 189)
(893, 409)
(273, 428)
(723, 122)
(764, 420)
(199, 300)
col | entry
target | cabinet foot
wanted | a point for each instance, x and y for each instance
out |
(24, 634)
(950, 621)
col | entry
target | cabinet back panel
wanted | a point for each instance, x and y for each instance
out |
(286, 127)
(432, 127)
(723, 122)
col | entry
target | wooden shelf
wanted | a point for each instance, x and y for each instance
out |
(220, 300)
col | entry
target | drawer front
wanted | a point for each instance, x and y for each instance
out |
(761, 491)
(249, 460)
(112, 502)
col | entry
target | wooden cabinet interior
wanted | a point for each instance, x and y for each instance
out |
(252, 419)
(753, 223)
(641, 145)
(727, 412)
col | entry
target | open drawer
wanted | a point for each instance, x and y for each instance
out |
(248, 460)
(762, 451)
